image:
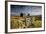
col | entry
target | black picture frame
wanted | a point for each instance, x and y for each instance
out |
(6, 16)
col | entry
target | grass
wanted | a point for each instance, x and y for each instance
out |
(20, 22)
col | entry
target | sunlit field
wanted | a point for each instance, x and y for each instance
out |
(18, 22)
(24, 16)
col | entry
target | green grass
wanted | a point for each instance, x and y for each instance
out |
(17, 23)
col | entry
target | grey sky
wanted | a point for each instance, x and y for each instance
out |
(32, 10)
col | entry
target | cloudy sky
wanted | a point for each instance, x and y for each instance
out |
(32, 10)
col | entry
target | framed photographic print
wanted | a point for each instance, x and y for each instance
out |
(24, 16)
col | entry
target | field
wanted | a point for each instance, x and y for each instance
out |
(18, 22)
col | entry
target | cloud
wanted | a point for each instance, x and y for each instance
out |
(36, 11)
(32, 10)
